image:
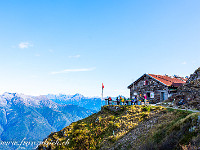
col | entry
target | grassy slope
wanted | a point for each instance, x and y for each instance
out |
(135, 127)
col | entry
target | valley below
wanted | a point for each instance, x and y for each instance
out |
(26, 120)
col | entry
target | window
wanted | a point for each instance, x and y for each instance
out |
(146, 82)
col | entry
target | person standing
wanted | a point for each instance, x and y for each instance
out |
(125, 101)
(117, 100)
(109, 100)
(145, 98)
(120, 100)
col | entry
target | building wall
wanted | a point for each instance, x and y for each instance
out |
(151, 86)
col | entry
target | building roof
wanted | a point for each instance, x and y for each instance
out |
(169, 80)
(164, 79)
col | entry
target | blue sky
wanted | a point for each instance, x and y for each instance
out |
(73, 46)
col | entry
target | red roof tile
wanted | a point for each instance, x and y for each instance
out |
(167, 80)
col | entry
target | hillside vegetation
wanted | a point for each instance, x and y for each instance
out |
(129, 127)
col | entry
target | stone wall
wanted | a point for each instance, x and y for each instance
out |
(152, 86)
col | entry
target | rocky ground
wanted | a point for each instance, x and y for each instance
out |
(188, 95)
(159, 132)
(131, 138)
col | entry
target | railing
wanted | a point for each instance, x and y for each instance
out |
(126, 102)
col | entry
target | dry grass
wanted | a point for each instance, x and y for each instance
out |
(112, 123)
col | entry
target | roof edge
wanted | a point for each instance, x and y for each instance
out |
(157, 80)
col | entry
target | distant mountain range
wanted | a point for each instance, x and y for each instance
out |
(77, 99)
(32, 118)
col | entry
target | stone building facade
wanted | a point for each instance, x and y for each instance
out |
(156, 88)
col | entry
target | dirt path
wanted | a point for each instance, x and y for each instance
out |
(195, 111)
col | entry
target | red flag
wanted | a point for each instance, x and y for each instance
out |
(102, 86)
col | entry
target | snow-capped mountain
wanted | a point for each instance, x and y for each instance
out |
(77, 99)
(34, 117)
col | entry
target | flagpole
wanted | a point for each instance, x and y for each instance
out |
(102, 94)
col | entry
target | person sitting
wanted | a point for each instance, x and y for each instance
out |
(132, 101)
(135, 102)
(128, 100)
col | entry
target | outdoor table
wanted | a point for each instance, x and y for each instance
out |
(129, 102)
(106, 101)
(114, 102)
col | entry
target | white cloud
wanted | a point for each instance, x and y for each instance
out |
(184, 63)
(73, 70)
(23, 45)
(75, 56)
